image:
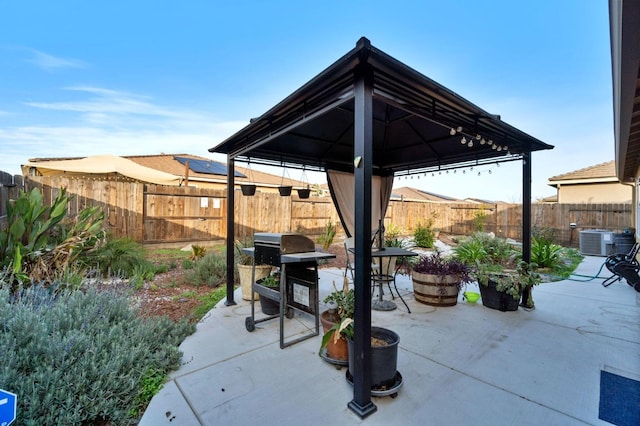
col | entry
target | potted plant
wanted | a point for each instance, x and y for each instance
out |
(437, 280)
(304, 192)
(337, 323)
(270, 306)
(248, 189)
(501, 285)
(501, 274)
(244, 266)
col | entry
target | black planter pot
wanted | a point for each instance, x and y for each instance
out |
(284, 191)
(304, 193)
(494, 299)
(384, 359)
(269, 306)
(248, 189)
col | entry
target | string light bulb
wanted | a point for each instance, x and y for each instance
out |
(463, 141)
(470, 144)
(452, 132)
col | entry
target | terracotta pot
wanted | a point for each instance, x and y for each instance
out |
(435, 290)
(244, 271)
(335, 350)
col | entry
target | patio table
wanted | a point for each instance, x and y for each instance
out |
(379, 277)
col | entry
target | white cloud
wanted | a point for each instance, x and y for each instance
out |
(50, 62)
(112, 122)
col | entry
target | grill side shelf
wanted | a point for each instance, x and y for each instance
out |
(267, 292)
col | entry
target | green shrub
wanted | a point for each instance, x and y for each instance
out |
(484, 248)
(210, 270)
(471, 251)
(478, 220)
(119, 256)
(424, 235)
(188, 264)
(543, 234)
(82, 357)
(198, 252)
(326, 239)
(544, 253)
(40, 243)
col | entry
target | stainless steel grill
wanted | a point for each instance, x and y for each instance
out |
(271, 247)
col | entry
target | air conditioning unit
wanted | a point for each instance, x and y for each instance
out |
(596, 242)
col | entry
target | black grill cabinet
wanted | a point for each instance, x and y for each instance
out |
(297, 259)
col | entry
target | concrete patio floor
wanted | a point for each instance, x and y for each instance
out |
(461, 365)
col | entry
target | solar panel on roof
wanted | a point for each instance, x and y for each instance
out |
(207, 166)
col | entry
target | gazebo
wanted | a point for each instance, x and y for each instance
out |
(371, 116)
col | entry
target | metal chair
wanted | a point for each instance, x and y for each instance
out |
(349, 267)
(624, 266)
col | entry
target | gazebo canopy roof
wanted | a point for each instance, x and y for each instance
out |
(418, 124)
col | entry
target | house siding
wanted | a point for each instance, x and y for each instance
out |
(612, 192)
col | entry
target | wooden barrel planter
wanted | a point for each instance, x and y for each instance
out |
(435, 290)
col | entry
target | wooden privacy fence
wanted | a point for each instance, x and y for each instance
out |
(163, 214)
(10, 186)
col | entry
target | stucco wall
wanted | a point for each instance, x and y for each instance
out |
(595, 193)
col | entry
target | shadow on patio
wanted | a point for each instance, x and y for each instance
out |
(460, 365)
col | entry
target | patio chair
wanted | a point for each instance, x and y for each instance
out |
(624, 266)
(349, 267)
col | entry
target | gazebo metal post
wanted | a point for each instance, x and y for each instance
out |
(526, 215)
(363, 152)
(230, 229)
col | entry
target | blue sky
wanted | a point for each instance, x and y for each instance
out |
(81, 78)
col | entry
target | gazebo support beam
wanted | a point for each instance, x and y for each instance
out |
(526, 216)
(363, 164)
(231, 171)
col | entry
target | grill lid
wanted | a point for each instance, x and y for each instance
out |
(286, 243)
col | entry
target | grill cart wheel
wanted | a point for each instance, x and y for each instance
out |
(249, 324)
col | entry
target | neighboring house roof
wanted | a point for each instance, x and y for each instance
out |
(169, 169)
(104, 165)
(603, 172)
(174, 164)
(550, 199)
(413, 194)
(481, 201)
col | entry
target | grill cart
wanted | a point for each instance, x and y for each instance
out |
(297, 259)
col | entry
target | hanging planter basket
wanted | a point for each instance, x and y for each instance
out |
(248, 189)
(285, 191)
(304, 193)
